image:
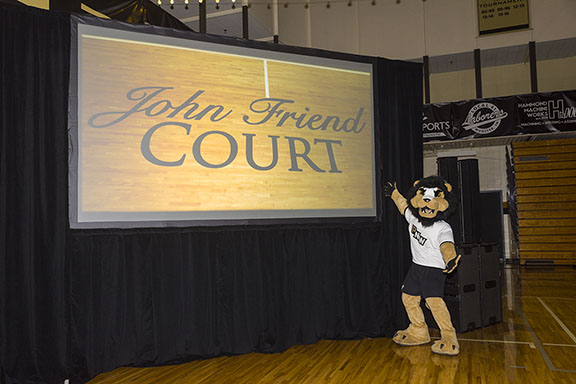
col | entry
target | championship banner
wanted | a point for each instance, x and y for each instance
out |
(172, 129)
(501, 116)
(496, 16)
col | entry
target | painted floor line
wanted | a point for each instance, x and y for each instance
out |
(565, 370)
(529, 343)
(559, 345)
(543, 297)
(535, 338)
(564, 327)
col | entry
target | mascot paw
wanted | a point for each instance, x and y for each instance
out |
(412, 337)
(452, 264)
(446, 347)
(389, 188)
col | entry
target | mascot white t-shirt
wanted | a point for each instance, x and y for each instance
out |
(425, 241)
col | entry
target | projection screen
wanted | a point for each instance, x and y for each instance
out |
(169, 131)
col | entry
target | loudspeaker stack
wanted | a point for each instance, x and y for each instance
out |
(490, 290)
(472, 292)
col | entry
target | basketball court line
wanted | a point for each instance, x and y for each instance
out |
(538, 344)
(559, 345)
(529, 343)
(543, 297)
(560, 323)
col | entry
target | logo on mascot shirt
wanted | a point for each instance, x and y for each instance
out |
(418, 236)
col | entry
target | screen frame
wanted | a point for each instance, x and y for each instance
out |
(80, 23)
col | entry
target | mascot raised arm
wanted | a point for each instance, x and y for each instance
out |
(430, 201)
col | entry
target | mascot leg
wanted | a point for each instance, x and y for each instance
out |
(417, 331)
(448, 344)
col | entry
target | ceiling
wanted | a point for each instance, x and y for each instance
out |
(225, 21)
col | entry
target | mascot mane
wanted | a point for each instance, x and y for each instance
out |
(431, 199)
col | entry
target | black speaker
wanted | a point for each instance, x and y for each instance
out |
(490, 284)
(492, 220)
(469, 199)
(464, 312)
(462, 293)
(448, 170)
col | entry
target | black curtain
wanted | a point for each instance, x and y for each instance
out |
(34, 70)
(77, 303)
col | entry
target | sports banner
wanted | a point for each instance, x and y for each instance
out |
(501, 116)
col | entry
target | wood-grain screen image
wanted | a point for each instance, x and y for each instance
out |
(323, 162)
(546, 182)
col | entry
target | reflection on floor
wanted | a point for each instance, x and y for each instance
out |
(535, 343)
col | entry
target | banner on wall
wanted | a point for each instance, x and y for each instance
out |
(501, 116)
(495, 16)
(437, 121)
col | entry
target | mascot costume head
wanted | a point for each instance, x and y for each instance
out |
(430, 201)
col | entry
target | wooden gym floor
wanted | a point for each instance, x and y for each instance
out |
(535, 343)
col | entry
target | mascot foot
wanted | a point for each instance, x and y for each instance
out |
(412, 336)
(448, 344)
(446, 347)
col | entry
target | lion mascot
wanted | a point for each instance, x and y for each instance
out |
(430, 201)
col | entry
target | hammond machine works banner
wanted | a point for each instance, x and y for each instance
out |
(501, 116)
(174, 130)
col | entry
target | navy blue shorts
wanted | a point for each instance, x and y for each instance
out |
(424, 281)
